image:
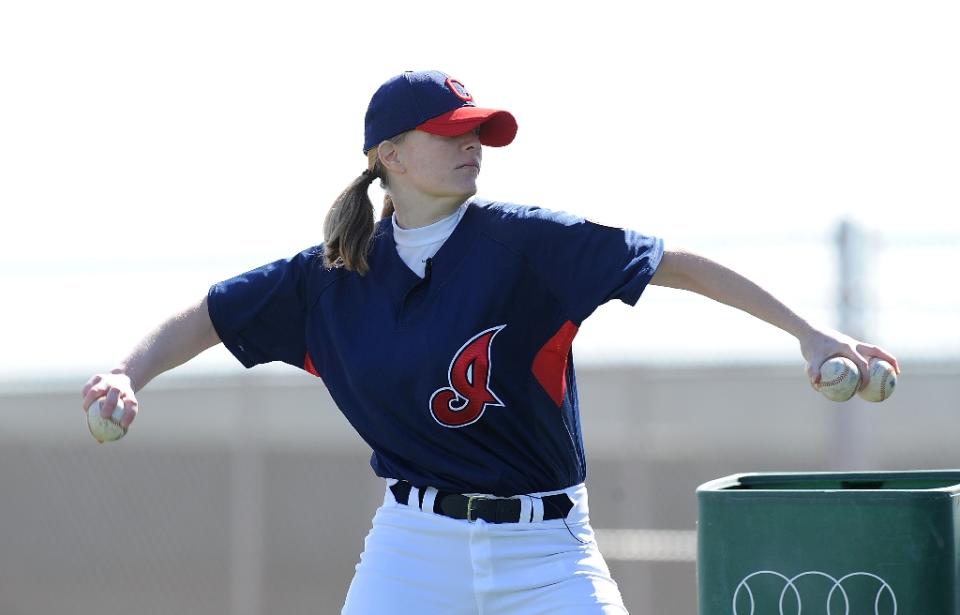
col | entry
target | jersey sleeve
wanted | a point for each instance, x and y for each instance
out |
(587, 264)
(260, 315)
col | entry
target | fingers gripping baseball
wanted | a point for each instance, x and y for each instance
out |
(820, 345)
(112, 389)
(875, 352)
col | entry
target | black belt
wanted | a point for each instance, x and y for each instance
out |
(490, 509)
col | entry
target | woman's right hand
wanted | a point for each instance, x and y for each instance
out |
(178, 339)
(112, 387)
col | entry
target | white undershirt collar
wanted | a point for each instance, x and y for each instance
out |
(416, 245)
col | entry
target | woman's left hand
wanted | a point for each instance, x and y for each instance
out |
(818, 345)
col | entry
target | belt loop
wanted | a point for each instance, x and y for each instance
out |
(414, 498)
(429, 497)
(537, 510)
(526, 508)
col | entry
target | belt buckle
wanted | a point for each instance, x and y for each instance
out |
(470, 499)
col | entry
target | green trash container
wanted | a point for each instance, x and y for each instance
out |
(878, 543)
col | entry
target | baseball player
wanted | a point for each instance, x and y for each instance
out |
(443, 332)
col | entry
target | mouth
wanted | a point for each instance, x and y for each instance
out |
(470, 165)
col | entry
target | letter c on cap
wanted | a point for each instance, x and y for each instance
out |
(459, 90)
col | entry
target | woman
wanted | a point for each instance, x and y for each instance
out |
(443, 333)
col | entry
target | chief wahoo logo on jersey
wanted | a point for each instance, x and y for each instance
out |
(469, 393)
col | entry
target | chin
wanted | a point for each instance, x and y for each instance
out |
(471, 187)
(461, 189)
(464, 191)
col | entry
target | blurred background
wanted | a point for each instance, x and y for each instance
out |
(148, 150)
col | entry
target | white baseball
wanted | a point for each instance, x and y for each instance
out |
(105, 430)
(883, 380)
(839, 379)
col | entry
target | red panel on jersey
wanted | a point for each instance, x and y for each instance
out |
(550, 364)
(308, 365)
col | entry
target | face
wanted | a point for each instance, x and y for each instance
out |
(437, 166)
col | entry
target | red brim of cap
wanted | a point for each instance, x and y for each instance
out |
(497, 128)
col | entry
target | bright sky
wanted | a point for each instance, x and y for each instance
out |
(150, 149)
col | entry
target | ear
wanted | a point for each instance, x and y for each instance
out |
(389, 154)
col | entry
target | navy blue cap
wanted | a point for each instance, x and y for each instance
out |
(436, 103)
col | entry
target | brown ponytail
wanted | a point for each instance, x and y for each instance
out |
(348, 227)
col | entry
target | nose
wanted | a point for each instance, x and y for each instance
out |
(471, 139)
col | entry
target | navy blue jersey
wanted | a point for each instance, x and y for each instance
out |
(462, 380)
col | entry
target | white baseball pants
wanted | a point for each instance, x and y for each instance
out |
(416, 561)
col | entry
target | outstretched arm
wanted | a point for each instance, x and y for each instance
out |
(181, 337)
(688, 271)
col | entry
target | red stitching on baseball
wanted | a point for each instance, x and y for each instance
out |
(838, 379)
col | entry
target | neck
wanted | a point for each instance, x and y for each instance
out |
(424, 212)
